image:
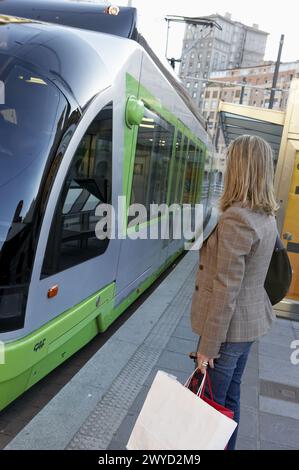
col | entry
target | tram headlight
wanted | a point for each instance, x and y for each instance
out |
(112, 10)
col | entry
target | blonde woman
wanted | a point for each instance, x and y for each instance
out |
(230, 307)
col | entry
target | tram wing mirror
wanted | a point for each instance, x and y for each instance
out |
(134, 111)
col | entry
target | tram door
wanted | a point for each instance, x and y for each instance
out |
(290, 233)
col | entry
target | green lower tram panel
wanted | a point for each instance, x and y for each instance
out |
(30, 359)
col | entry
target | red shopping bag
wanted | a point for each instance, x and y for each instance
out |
(197, 384)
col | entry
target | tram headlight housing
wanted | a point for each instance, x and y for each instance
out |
(12, 308)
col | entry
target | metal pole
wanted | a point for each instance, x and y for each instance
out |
(167, 38)
(242, 91)
(276, 71)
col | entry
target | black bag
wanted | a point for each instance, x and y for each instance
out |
(279, 275)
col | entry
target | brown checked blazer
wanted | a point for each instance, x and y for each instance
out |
(230, 303)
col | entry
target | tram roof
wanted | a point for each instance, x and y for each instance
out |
(236, 120)
(78, 14)
(87, 16)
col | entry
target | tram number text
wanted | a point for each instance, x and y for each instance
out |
(39, 345)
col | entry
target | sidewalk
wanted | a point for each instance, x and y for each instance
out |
(97, 409)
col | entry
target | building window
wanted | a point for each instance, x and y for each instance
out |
(238, 93)
(214, 104)
(88, 184)
(215, 94)
(188, 85)
(194, 94)
(196, 85)
(207, 95)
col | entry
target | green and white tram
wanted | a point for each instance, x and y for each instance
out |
(87, 116)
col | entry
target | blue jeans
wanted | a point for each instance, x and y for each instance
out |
(226, 379)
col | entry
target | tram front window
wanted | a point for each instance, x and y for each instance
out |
(31, 116)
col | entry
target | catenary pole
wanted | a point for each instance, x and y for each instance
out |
(276, 71)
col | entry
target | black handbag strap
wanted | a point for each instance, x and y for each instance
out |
(278, 244)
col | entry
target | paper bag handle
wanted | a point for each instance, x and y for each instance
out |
(200, 389)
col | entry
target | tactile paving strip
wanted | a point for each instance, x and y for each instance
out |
(279, 391)
(97, 431)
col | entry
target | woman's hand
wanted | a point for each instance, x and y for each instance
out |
(203, 362)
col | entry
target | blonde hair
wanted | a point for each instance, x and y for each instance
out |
(249, 175)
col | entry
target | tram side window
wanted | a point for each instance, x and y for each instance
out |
(182, 171)
(152, 161)
(176, 165)
(88, 184)
(189, 173)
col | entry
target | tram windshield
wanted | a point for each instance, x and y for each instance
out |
(31, 110)
(29, 107)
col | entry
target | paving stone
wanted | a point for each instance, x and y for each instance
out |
(139, 401)
(279, 407)
(250, 376)
(266, 445)
(185, 321)
(282, 329)
(4, 439)
(175, 361)
(181, 346)
(275, 351)
(250, 396)
(279, 430)
(280, 340)
(185, 333)
(248, 426)
(115, 445)
(276, 370)
(246, 444)
(64, 414)
(125, 429)
(252, 361)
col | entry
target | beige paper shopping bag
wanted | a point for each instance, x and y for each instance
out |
(174, 418)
